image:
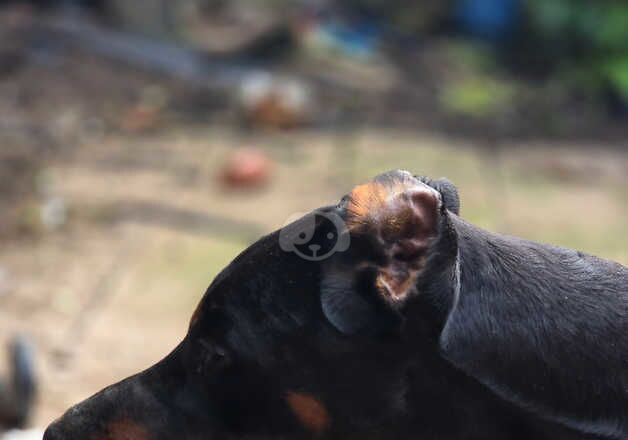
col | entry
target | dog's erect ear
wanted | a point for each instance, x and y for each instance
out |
(402, 214)
(447, 190)
(348, 311)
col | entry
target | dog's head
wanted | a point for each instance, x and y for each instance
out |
(287, 344)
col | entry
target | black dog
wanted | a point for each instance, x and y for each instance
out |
(422, 327)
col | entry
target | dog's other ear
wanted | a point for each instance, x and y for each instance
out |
(447, 190)
(401, 216)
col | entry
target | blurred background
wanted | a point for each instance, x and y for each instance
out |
(144, 144)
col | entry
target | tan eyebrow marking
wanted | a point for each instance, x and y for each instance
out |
(309, 410)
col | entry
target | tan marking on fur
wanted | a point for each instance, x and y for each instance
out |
(125, 429)
(385, 204)
(396, 286)
(369, 199)
(309, 410)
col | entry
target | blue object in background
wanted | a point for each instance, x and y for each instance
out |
(490, 19)
(355, 39)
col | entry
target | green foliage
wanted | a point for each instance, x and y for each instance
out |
(478, 96)
(600, 24)
(611, 32)
(617, 73)
(590, 39)
(550, 18)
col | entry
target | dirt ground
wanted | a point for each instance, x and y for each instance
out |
(149, 226)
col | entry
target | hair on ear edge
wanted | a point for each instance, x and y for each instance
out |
(447, 190)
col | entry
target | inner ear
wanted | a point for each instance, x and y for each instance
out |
(350, 303)
(345, 309)
(405, 222)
